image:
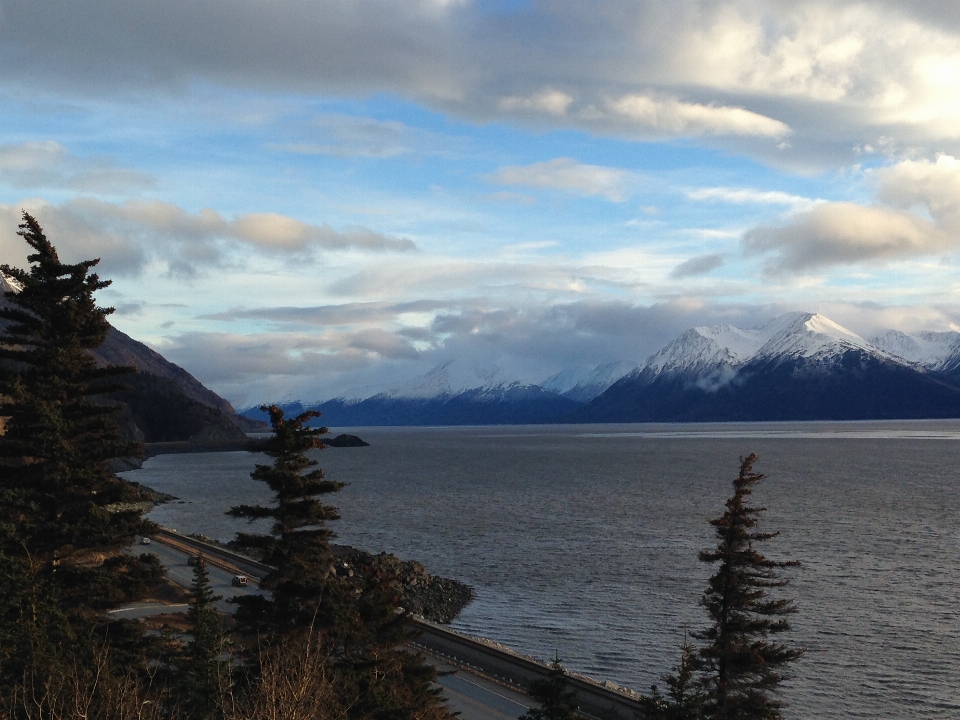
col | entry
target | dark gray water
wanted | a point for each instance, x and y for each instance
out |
(583, 540)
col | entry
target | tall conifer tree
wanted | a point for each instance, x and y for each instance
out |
(742, 667)
(357, 615)
(60, 539)
(56, 483)
(298, 544)
(200, 671)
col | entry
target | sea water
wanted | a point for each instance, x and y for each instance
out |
(582, 541)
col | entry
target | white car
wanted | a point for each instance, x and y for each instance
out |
(144, 541)
(239, 580)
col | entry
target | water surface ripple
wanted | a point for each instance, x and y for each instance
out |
(583, 540)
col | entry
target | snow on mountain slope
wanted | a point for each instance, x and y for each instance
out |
(451, 378)
(583, 385)
(933, 350)
(8, 284)
(713, 356)
(704, 348)
(809, 335)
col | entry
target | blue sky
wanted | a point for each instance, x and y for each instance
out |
(301, 197)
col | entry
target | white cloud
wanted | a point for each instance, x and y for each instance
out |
(838, 73)
(351, 136)
(48, 164)
(934, 186)
(742, 196)
(843, 233)
(569, 175)
(127, 235)
(670, 116)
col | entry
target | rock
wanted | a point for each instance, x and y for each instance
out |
(435, 598)
(345, 440)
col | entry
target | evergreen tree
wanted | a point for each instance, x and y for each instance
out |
(353, 614)
(200, 671)
(56, 486)
(742, 666)
(684, 699)
(60, 539)
(298, 544)
(557, 700)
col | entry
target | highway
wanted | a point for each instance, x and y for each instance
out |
(474, 696)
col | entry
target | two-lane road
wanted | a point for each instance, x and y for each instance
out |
(175, 560)
(475, 697)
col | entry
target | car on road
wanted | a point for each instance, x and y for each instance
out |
(239, 580)
(144, 541)
(193, 560)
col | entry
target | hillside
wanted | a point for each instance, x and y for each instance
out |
(164, 403)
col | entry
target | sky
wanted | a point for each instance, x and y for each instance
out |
(299, 198)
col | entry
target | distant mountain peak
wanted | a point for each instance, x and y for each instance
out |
(933, 350)
(9, 284)
(583, 384)
(807, 335)
(449, 378)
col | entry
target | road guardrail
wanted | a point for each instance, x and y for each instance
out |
(597, 699)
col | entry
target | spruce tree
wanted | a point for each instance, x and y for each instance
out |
(62, 517)
(557, 700)
(56, 486)
(742, 668)
(685, 698)
(200, 671)
(298, 544)
(354, 613)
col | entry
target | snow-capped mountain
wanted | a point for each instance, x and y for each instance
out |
(933, 350)
(809, 335)
(454, 393)
(8, 284)
(711, 357)
(798, 366)
(450, 378)
(583, 385)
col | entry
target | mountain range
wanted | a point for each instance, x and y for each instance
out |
(800, 366)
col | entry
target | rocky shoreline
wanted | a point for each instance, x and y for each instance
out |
(434, 598)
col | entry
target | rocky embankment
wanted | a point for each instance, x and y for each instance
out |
(435, 598)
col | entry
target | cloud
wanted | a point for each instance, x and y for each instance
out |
(569, 175)
(743, 196)
(47, 164)
(528, 342)
(552, 102)
(127, 235)
(844, 233)
(287, 354)
(838, 233)
(932, 185)
(699, 265)
(332, 315)
(351, 136)
(670, 116)
(836, 74)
